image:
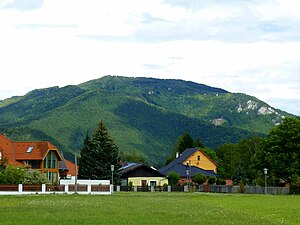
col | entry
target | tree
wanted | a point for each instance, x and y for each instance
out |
(280, 152)
(86, 162)
(99, 153)
(228, 160)
(199, 178)
(182, 143)
(239, 161)
(173, 178)
(133, 156)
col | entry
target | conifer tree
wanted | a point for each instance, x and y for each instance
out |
(85, 170)
(99, 153)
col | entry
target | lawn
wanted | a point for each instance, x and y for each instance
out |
(150, 208)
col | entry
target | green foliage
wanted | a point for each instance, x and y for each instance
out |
(12, 175)
(182, 143)
(280, 152)
(141, 113)
(87, 161)
(211, 180)
(133, 156)
(220, 181)
(34, 177)
(239, 161)
(99, 153)
(199, 178)
(173, 178)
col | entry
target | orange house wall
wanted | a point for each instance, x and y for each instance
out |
(204, 162)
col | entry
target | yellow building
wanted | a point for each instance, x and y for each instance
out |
(196, 157)
(141, 175)
(189, 163)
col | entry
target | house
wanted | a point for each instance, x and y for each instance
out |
(141, 175)
(190, 162)
(42, 156)
(68, 169)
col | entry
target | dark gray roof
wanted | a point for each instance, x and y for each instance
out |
(62, 163)
(180, 169)
(136, 166)
(184, 155)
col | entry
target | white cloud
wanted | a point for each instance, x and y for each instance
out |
(242, 46)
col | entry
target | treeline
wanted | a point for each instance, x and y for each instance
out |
(279, 152)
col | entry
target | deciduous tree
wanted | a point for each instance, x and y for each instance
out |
(280, 152)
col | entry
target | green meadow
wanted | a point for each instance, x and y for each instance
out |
(150, 208)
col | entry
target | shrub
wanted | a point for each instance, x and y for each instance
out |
(34, 177)
(173, 178)
(220, 181)
(12, 175)
(199, 178)
(212, 180)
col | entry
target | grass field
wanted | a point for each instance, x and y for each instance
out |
(150, 208)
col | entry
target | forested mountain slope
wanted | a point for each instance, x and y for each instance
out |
(142, 114)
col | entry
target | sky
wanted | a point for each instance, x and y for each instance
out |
(247, 46)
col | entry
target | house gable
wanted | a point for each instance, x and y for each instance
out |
(201, 160)
(140, 170)
(43, 156)
(197, 160)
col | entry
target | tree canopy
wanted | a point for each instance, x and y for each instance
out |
(182, 143)
(98, 154)
(280, 152)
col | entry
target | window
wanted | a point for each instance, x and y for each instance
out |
(0, 155)
(152, 183)
(51, 160)
(198, 157)
(29, 150)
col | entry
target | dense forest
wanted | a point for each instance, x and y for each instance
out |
(144, 115)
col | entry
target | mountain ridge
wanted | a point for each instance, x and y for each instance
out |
(143, 114)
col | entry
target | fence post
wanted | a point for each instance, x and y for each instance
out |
(43, 188)
(89, 188)
(118, 188)
(66, 188)
(169, 188)
(185, 188)
(20, 188)
(152, 188)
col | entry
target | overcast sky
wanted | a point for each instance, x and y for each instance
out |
(248, 46)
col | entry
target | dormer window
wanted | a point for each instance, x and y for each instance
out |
(29, 150)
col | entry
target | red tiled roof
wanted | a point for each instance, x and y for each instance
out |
(17, 151)
(71, 166)
(39, 150)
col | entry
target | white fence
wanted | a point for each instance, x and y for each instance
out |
(21, 189)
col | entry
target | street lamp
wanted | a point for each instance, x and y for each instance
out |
(76, 172)
(265, 172)
(112, 168)
(187, 175)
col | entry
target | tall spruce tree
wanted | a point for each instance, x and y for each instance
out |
(99, 154)
(86, 162)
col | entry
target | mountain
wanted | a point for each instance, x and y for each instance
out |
(142, 114)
